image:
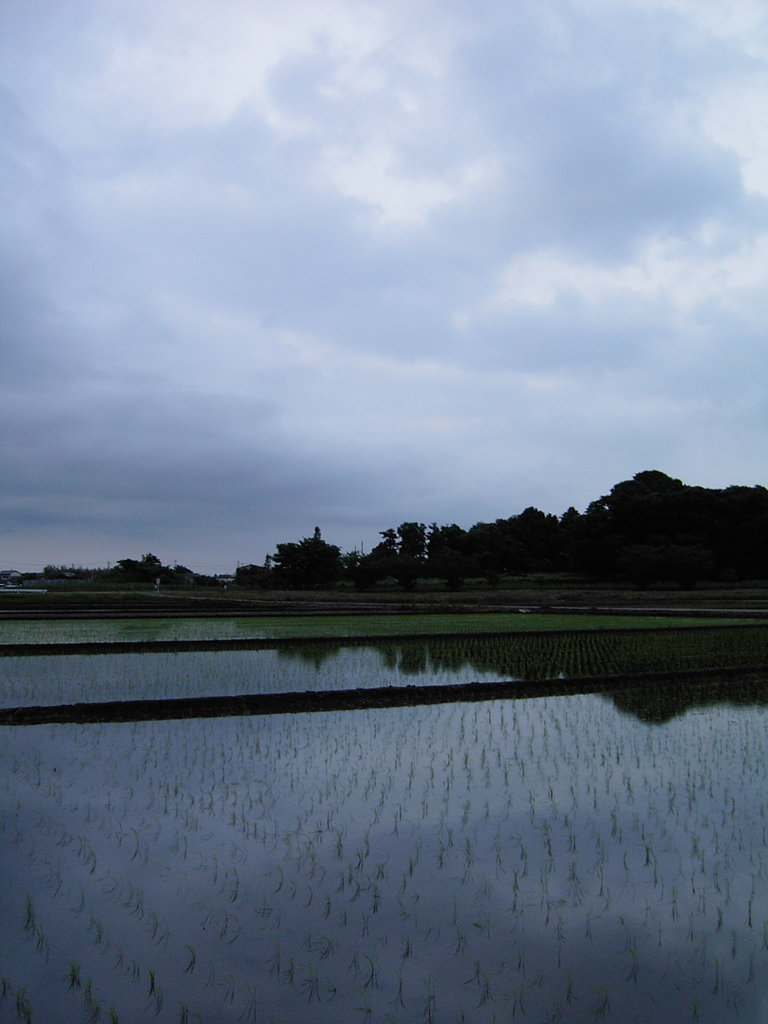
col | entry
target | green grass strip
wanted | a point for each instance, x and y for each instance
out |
(330, 626)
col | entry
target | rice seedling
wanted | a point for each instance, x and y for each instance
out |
(6, 989)
(30, 924)
(73, 975)
(23, 1006)
(558, 809)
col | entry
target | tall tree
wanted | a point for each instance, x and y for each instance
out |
(310, 564)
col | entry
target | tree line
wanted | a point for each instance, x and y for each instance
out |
(147, 569)
(650, 529)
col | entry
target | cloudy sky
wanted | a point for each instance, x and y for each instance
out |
(270, 266)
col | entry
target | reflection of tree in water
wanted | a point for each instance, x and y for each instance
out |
(415, 659)
(659, 703)
(554, 655)
(409, 658)
(389, 654)
(314, 654)
(589, 653)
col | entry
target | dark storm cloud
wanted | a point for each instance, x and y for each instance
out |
(347, 264)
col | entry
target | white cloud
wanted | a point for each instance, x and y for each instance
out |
(683, 274)
(174, 65)
(372, 176)
(736, 119)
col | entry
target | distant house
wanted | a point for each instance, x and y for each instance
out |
(9, 577)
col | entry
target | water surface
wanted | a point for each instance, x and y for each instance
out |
(554, 859)
(298, 666)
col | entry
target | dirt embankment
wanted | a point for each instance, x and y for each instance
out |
(653, 697)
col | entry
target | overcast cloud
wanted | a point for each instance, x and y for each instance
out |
(266, 267)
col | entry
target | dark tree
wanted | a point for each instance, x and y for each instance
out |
(360, 570)
(682, 564)
(254, 577)
(309, 565)
(388, 545)
(149, 568)
(412, 541)
(654, 528)
(454, 568)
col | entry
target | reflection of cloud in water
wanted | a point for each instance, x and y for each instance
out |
(307, 666)
(529, 859)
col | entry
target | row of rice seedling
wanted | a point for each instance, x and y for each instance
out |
(596, 653)
(553, 859)
(62, 679)
(550, 655)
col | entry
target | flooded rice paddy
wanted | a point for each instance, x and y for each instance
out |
(582, 858)
(299, 666)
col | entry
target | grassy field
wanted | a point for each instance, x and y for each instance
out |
(73, 630)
